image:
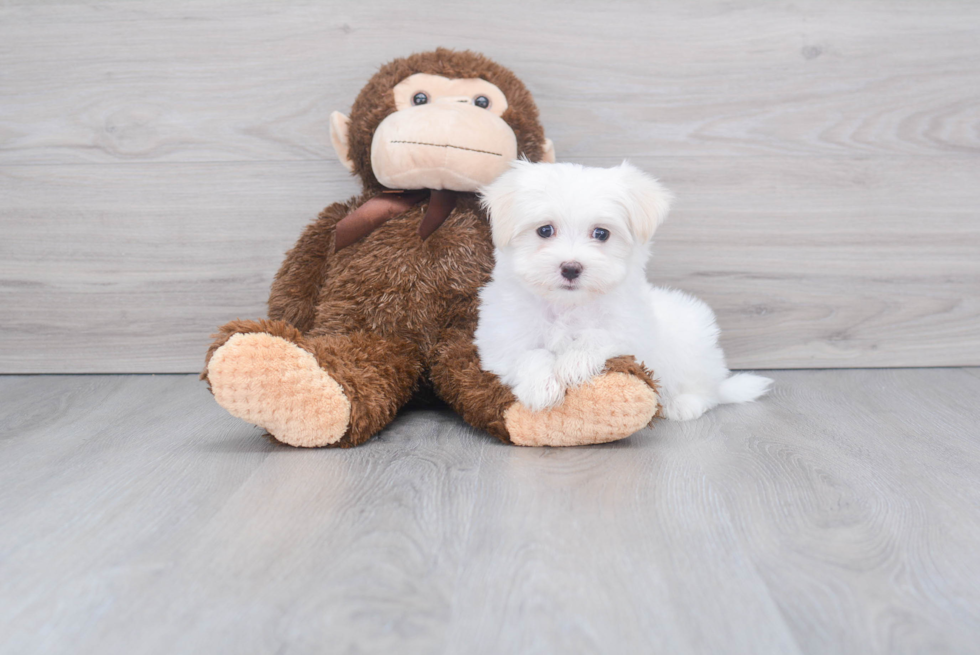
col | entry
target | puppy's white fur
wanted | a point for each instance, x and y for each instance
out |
(543, 333)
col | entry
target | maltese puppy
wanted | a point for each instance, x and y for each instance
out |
(569, 291)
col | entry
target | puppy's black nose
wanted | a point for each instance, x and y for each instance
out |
(571, 270)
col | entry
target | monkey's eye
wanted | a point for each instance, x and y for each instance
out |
(420, 98)
(481, 101)
(546, 231)
(600, 233)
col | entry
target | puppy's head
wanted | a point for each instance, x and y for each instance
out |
(570, 232)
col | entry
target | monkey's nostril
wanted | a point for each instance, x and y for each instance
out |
(571, 270)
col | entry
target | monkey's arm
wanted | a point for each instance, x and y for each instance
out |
(297, 285)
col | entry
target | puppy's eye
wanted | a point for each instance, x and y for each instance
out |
(420, 98)
(600, 233)
(546, 231)
(481, 101)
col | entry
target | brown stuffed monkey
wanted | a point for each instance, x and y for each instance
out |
(377, 301)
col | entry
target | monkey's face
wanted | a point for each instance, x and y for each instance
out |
(434, 130)
(445, 134)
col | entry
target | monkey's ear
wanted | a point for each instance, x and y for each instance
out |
(548, 152)
(339, 126)
(647, 201)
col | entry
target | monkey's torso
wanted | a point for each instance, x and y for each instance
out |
(393, 284)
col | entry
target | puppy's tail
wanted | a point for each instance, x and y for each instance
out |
(742, 388)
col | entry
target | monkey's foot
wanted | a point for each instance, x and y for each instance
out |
(277, 385)
(612, 406)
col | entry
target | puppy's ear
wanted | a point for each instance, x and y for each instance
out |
(499, 199)
(647, 201)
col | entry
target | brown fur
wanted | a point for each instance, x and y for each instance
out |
(391, 313)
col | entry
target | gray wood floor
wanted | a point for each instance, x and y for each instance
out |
(840, 515)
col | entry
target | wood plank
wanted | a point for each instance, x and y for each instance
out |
(803, 518)
(564, 537)
(128, 268)
(131, 268)
(217, 81)
(837, 515)
(861, 466)
(841, 263)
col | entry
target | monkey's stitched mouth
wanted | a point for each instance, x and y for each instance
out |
(447, 145)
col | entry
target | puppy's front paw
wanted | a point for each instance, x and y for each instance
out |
(685, 407)
(576, 367)
(539, 394)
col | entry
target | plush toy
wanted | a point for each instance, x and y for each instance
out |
(377, 302)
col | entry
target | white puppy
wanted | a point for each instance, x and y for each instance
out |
(569, 291)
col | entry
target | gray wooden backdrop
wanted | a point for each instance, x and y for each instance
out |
(158, 158)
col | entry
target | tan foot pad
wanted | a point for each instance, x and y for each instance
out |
(611, 407)
(277, 385)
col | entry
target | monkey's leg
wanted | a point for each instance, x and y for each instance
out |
(616, 404)
(310, 391)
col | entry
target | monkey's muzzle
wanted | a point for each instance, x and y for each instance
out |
(452, 146)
